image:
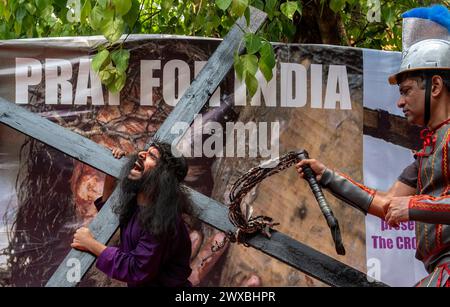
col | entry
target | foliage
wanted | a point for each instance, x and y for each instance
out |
(367, 23)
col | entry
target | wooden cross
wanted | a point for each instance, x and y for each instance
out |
(280, 246)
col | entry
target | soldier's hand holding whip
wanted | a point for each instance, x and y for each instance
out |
(311, 170)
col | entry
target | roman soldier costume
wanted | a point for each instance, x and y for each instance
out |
(426, 49)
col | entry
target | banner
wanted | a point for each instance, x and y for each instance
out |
(317, 100)
(390, 251)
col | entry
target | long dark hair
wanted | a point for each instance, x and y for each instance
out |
(166, 199)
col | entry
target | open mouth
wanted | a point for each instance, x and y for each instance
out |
(138, 166)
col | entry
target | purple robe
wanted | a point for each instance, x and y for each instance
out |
(141, 260)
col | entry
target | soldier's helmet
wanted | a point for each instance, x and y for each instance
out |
(425, 41)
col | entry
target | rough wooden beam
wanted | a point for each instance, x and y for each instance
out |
(391, 128)
(51, 134)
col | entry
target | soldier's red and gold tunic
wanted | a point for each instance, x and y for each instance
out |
(430, 207)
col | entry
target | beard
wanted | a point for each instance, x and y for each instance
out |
(145, 184)
(129, 188)
(132, 186)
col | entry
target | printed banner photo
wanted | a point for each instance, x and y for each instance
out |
(321, 99)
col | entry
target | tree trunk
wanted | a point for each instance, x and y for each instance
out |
(318, 24)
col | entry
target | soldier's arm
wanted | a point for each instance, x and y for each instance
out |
(421, 208)
(363, 198)
(428, 209)
(381, 200)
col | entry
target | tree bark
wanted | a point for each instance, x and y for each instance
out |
(318, 24)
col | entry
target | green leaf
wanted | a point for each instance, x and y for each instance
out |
(103, 20)
(337, 5)
(250, 63)
(17, 28)
(3, 31)
(118, 82)
(389, 16)
(96, 17)
(252, 43)
(20, 14)
(238, 66)
(270, 7)
(113, 29)
(85, 10)
(273, 31)
(247, 15)
(299, 6)
(30, 8)
(289, 8)
(238, 7)
(103, 3)
(41, 4)
(267, 52)
(223, 4)
(101, 60)
(212, 22)
(107, 76)
(122, 6)
(6, 13)
(29, 26)
(259, 4)
(120, 59)
(166, 5)
(199, 22)
(59, 4)
(288, 27)
(252, 84)
(267, 60)
(47, 12)
(265, 70)
(133, 13)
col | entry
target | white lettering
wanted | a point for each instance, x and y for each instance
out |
(28, 73)
(337, 75)
(148, 82)
(268, 90)
(316, 86)
(176, 80)
(87, 75)
(293, 85)
(58, 73)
